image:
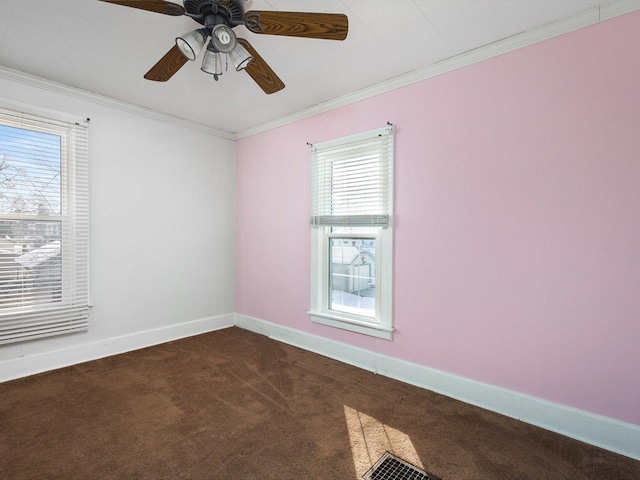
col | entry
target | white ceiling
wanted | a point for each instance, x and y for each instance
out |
(106, 49)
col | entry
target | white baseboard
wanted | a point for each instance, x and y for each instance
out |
(603, 432)
(52, 360)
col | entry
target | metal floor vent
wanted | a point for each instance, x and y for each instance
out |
(390, 467)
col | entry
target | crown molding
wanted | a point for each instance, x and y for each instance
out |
(615, 8)
(580, 20)
(73, 92)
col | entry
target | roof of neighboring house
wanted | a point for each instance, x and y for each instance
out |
(39, 255)
(7, 247)
(344, 255)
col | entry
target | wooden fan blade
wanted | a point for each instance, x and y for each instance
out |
(158, 6)
(328, 26)
(172, 61)
(261, 73)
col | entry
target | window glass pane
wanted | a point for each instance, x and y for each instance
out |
(352, 264)
(30, 218)
(30, 181)
(30, 263)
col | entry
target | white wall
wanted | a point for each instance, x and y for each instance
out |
(162, 231)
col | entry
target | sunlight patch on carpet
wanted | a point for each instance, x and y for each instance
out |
(370, 439)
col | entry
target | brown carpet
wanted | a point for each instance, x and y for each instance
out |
(235, 405)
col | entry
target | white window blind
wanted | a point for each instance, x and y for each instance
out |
(44, 226)
(352, 180)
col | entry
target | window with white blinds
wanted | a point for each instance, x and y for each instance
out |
(44, 226)
(352, 179)
(352, 238)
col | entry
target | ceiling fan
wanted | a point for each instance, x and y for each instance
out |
(218, 18)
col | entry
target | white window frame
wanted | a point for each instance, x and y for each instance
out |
(381, 325)
(70, 314)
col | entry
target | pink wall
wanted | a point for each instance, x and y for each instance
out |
(517, 227)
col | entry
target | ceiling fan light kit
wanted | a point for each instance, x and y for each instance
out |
(240, 57)
(218, 18)
(212, 63)
(223, 38)
(191, 43)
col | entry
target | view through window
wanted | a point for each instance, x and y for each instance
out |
(352, 266)
(31, 209)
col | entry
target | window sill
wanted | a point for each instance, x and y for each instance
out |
(343, 323)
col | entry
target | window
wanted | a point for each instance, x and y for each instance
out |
(352, 237)
(44, 227)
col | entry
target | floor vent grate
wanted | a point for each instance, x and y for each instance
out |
(390, 467)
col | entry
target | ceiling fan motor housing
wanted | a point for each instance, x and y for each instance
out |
(206, 12)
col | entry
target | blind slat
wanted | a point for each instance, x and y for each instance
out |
(72, 319)
(350, 221)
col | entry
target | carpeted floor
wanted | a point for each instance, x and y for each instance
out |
(235, 405)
